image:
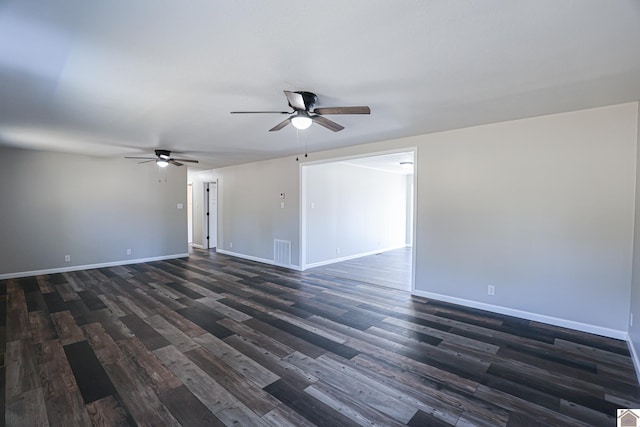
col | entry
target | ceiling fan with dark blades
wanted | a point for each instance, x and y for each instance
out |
(163, 158)
(304, 113)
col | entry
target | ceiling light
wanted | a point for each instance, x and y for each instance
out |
(162, 163)
(406, 165)
(301, 120)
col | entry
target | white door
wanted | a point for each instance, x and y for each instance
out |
(211, 207)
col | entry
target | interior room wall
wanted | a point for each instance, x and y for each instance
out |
(250, 212)
(353, 210)
(634, 300)
(92, 209)
(540, 208)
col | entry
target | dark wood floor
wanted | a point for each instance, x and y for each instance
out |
(213, 340)
(391, 269)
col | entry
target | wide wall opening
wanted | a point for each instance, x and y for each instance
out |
(358, 218)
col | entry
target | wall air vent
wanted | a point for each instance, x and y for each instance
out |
(282, 252)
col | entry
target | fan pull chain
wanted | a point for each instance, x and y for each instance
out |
(162, 171)
(298, 143)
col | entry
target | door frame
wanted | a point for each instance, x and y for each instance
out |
(302, 170)
(206, 229)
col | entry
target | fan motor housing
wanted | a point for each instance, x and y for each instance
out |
(163, 153)
(309, 98)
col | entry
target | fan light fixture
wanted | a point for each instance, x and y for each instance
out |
(162, 163)
(301, 120)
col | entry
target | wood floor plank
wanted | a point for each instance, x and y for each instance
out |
(264, 341)
(140, 400)
(340, 376)
(191, 329)
(27, 409)
(114, 305)
(66, 327)
(283, 416)
(172, 334)
(306, 405)
(272, 362)
(41, 327)
(151, 339)
(108, 412)
(223, 309)
(187, 409)
(159, 377)
(440, 395)
(35, 301)
(88, 372)
(66, 292)
(22, 374)
(349, 405)
(240, 387)
(205, 388)
(242, 364)
(44, 285)
(64, 402)
(17, 315)
(239, 414)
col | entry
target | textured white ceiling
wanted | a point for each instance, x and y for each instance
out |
(118, 78)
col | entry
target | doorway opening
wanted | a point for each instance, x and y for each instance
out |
(210, 229)
(190, 215)
(357, 218)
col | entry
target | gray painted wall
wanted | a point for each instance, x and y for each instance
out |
(634, 300)
(352, 210)
(249, 212)
(93, 209)
(541, 208)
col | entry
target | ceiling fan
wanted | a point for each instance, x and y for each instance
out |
(163, 158)
(304, 113)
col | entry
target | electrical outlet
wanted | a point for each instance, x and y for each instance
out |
(337, 251)
(231, 244)
(67, 258)
(128, 251)
(491, 290)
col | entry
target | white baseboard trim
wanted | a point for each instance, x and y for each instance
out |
(556, 321)
(634, 356)
(350, 257)
(256, 259)
(89, 266)
(197, 245)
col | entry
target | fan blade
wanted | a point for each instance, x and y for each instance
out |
(141, 158)
(343, 110)
(186, 160)
(279, 125)
(261, 112)
(296, 101)
(147, 161)
(331, 125)
(173, 162)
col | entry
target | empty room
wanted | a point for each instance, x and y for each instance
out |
(421, 213)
